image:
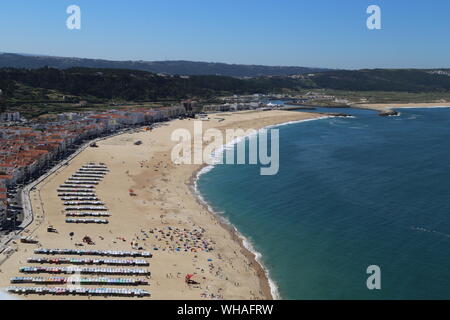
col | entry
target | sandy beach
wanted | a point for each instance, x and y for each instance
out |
(391, 106)
(163, 213)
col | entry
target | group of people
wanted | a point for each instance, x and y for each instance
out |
(180, 240)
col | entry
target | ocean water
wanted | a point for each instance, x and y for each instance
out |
(351, 192)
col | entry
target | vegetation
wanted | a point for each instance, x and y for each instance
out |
(403, 80)
(8, 60)
(48, 90)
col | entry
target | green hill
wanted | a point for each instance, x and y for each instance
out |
(12, 60)
(36, 90)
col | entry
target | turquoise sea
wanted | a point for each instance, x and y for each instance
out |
(351, 192)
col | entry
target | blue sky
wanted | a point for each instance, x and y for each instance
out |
(315, 33)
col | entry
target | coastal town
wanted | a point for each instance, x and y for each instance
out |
(102, 184)
(40, 201)
(29, 148)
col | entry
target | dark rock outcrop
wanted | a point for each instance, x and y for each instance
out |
(388, 113)
(340, 115)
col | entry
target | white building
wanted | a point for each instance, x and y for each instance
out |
(10, 117)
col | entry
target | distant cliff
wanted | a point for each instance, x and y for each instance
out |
(12, 60)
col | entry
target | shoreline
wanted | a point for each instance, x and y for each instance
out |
(252, 255)
(269, 286)
(241, 274)
(386, 107)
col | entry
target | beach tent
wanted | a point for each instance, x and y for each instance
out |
(189, 280)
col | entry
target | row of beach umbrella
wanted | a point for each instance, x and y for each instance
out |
(88, 171)
(77, 186)
(82, 281)
(87, 208)
(85, 168)
(112, 262)
(80, 291)
(77, 194)
(69, 182)
(87, 221)
(83, 202)
(102, 253)
(84, 179)
(82, 270)
(72, 190)
(87, 175)
(88, 214)
(75, 198)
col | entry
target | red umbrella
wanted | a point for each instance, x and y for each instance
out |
(188, 278)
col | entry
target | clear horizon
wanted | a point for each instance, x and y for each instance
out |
(322, 34)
